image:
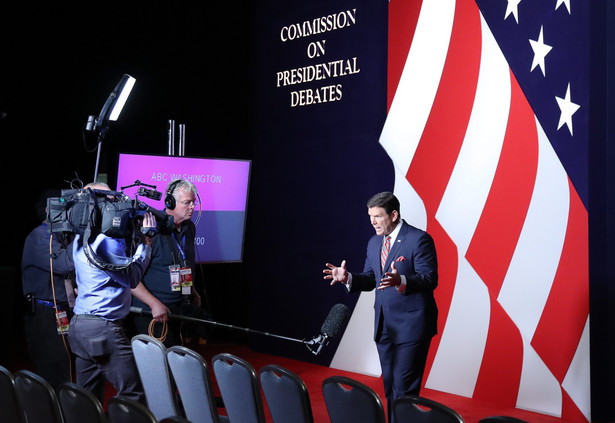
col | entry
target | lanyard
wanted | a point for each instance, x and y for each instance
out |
(179, 247)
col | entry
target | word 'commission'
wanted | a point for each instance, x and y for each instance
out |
(319, 25)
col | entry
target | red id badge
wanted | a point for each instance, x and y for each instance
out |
(186, 280)
(174, 272)
(62, 321)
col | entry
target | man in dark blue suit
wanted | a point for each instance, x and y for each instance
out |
(401, 265)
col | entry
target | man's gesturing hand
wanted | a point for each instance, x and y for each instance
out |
(336, 274)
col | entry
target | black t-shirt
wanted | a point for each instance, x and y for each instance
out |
(176, 248)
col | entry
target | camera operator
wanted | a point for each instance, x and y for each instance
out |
(167, 283)
(97, 337)
(47, 280)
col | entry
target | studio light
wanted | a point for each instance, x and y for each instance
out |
(109, 113)
(128, 83)
(114, 104)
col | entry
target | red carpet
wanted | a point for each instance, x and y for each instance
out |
(313, 375)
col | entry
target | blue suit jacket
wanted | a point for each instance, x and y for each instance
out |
(411, 316)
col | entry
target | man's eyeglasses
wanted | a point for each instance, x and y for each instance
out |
(189, 203)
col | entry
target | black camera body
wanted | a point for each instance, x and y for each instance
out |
(69, 213)
(88, 212)
(107, 212)
(111, 213)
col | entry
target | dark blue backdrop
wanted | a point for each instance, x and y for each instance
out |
(314, 169)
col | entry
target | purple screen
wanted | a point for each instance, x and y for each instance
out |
(222, 186)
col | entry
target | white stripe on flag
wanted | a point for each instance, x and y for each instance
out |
(418, 83)
(531, 273)
(575, 382)
(465, 333)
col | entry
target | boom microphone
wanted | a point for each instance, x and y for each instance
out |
(335, 321)
(140, 312)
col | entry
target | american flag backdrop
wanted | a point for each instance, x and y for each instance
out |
(487, 128)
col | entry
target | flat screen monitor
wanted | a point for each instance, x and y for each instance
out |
(222, 185)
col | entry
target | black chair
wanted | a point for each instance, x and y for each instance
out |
(286, 395)
(348, 400)
(9, 408)
(241, 393)
(193, 380)
(175, 419)
(127, 410)
(422, 410)
(79, 405)
(37, 399)
(151, 358)
(501, 419)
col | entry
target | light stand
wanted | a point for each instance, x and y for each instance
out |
(110, 112)
(182, 138)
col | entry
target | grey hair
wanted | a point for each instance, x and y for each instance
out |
(183, 184)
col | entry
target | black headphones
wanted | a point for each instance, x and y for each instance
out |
(169, 200)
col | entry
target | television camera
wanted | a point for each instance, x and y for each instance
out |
(88, 212)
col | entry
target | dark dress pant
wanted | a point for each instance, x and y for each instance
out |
(48, 349)
(403, 365)
(103, 352)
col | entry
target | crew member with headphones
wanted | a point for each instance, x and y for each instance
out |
(167, 285)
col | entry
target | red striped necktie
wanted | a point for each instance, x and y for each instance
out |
(385, 251)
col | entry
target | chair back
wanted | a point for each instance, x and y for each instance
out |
(286, 394)
(501, 419)
(37, 399)
(240, 389)
(175, 419)
(191, 375)
(9, 407)
(422, 410)
(79, 405)
(349, 400)
(127, 410)
(151, 358)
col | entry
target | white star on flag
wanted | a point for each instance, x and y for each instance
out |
(567, 108)
(560, 2)
(540, 52)
(513, 8)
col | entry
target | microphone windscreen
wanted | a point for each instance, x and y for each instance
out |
(335, 321)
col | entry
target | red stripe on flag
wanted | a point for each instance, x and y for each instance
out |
(509, 197)
(447, 253)
(403, 16)
(500, 371)
(446, 126)
(563, 319)
(437, 152)
(570, 411)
